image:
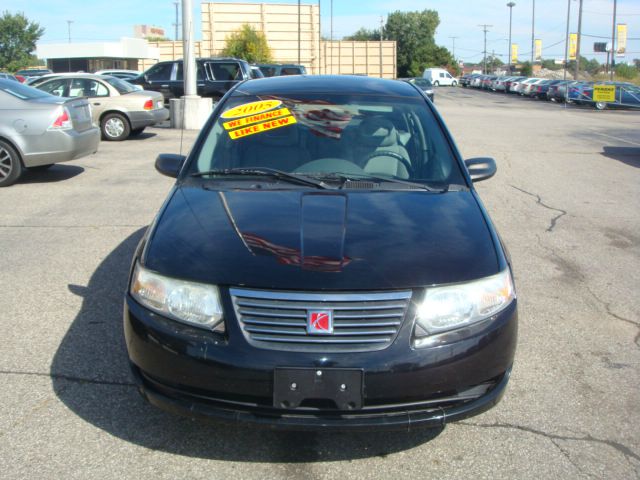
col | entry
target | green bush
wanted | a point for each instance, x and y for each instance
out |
(249, 44)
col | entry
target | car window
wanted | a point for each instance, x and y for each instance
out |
(290, 71)
(199, 72)
(55, 87)
(449, 76)
(160, 72)
(324, 134)
(268, 71)
(441, 75)
(21, 91)
(226, 71)
(86, 87)
(120, 85)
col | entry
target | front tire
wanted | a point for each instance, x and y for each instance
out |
(600, 105)
(11, 168)
(115, 127)
(436, 83)
(454, 84)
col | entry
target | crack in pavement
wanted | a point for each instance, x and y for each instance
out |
(607, 307)
(623, 449)
(581, 278)
(539, 201)
(70, 378)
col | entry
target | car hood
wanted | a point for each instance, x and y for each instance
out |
(311, 240)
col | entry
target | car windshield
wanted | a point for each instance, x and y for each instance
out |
(21, 91)
(120, 85)
(325, 135)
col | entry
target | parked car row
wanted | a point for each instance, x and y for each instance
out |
(569, 91)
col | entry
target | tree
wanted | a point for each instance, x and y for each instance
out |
(18, 37)
(526, 69)
(626, 71)
(416, 48)
(364, 34)
(249, 44)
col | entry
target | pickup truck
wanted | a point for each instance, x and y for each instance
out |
(215, 76)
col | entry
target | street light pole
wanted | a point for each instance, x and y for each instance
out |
(69, 22)
(510, 5)
(299, 31)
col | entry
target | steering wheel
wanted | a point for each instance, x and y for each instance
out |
(394, 155)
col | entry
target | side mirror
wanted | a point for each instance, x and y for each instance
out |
(481, 168)
(169, 164)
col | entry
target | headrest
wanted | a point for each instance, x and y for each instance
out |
(377, 132)
(279, 137)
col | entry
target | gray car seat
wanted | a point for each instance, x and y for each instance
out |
(377, 134)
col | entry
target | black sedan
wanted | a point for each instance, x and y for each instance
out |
(323, 261)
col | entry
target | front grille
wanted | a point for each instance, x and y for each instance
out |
(361, 321)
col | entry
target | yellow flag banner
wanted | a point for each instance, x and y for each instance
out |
(573, 45)
(538, 50)
(514, 53)
(622, 39)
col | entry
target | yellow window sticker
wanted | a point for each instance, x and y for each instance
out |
(252, 108)
(261, 117)
(262, 127)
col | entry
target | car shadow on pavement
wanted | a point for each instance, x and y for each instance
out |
(626, 155)
(142, 136)
(91, 376)
(55, 173)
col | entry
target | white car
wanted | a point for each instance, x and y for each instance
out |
(439, 76)
(526, 89)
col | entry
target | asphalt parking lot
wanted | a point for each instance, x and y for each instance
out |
(565, 200)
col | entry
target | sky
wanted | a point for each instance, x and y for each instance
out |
(100, 20)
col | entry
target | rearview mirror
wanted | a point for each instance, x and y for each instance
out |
(169, 164)
(481, 168)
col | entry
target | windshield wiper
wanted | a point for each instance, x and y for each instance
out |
(347, 177)
(265, 171)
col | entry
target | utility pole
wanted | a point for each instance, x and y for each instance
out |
(566, 41)
(613, 40)
(510, 5)
(577, 72)
(453, 50)
(484, 29)
(331, 37)
(533, 32)
(69, 22)
(381, 46)
(177, 24)
(299, 30)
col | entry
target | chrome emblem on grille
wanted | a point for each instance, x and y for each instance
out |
(320, 322)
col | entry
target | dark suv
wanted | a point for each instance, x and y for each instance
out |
(277, 70)
(215, 76)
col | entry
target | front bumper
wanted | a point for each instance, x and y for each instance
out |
(199, 374)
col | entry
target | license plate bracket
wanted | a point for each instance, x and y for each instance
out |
(292, 386)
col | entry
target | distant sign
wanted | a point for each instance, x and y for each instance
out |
(604, 93)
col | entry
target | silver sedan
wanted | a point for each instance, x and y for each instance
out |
(119, 108)
(38, 130)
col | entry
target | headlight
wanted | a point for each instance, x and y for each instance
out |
(456, 306)
(193, 303)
